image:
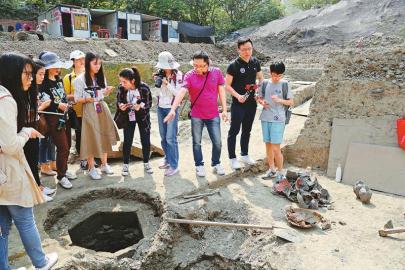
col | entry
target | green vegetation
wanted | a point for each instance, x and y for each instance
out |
(225, 15)
(308, 4)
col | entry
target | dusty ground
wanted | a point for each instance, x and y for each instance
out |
(352, 243)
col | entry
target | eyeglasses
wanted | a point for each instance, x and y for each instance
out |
(246, 49)
(28, 74)
(199, 66)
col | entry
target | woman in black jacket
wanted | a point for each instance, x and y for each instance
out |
(134, 100)
(31, 148)
(52, 90)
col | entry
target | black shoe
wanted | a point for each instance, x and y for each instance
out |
(83, 165)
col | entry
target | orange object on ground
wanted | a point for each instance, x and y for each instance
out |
(401, 132)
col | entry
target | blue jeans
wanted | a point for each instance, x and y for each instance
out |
(24, 221)
(214, 131)
(168, 135)
(46, 150)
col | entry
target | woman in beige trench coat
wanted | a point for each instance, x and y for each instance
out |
(18, 189)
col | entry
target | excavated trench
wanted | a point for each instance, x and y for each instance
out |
(124, 229)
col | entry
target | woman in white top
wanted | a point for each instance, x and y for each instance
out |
(169, 79)
(99, 132)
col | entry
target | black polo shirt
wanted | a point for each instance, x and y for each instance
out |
(243, 73)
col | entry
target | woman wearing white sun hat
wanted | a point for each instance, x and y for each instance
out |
(169, 79)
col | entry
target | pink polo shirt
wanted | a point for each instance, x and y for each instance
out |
(206, 106)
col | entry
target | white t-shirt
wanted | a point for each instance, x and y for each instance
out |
(168, 93)
(133, 96)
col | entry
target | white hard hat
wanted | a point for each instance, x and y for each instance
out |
(167, 61)
(76, 54)
(45, 21)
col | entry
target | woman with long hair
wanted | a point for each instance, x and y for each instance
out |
(18, 189)
(77, 57)
(99, 132)
(169, 79)
(52, 89)
(134, 100)
(31, 148)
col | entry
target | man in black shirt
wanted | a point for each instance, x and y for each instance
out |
(240, 82)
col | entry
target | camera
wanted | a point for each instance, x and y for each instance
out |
(159, 78)
(92, 91)
(62, 122)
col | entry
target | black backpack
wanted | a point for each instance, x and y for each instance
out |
(284, 87)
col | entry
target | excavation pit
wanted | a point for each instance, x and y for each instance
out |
(107, 231)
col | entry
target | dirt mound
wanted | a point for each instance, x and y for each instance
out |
(356, 84)
(127, 51)
(335, 24)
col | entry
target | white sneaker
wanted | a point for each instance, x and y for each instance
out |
(125, 170)
(51, 259)
(48, 191)
(248, 160)
(21, 268)
(47, 198)
(147, 168)
(65, 183)
(200, 171)
(219, 169)
(235, 165)
(93, 173)
(106, 169)
(71, 176)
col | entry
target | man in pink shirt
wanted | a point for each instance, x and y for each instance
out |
(204, 84)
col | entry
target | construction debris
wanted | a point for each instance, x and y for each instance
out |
(195, 197)
(300, 188)
(362, 191)
(305, 219)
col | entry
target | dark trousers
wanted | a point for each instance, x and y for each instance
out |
(144, 132)
(31, 151)
(61, 140)
(240, 116)
(78, 132)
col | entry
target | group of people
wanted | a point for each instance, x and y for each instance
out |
(34, 97)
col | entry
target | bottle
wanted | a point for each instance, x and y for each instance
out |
(338, 176)
(308, 172)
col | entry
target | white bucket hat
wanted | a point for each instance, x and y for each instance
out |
(167, 61)
(52, 60)
(76, 54)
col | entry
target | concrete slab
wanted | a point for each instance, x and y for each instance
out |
(372, 130)
(380, 167)
(303, 109)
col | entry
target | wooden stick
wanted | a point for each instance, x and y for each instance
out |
(200, 195)
(219, 224)
(193, 199)
(386, 232)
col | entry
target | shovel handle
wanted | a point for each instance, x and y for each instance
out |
(386, 232)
